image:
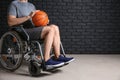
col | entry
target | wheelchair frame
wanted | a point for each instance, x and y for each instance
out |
(26, 51)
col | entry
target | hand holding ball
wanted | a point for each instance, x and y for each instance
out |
(40, 18)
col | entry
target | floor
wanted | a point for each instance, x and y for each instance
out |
(85, 67)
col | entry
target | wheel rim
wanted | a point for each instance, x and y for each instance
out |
(10, 53)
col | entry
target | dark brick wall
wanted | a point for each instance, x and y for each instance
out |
(86, 26)
(3, 16)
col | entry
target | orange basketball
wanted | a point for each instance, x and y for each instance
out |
(40, 19)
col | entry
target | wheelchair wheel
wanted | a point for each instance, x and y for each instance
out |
(34, 68)
(11, 48)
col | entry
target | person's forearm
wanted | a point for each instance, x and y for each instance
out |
(17, 21)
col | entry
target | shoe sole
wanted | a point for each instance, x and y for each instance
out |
(69, 61)
(54, 66)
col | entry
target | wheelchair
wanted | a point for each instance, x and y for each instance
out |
(16, 46)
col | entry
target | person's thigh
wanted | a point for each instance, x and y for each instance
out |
(34, 33)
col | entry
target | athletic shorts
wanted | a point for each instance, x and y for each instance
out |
(34, 33)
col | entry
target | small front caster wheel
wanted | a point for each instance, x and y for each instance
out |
(34, 68)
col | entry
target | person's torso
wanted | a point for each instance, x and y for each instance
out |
(23, 8)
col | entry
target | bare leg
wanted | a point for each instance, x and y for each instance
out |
(52, 38)
(48, 35)
(56, 41)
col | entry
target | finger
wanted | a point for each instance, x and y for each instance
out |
(37, 10)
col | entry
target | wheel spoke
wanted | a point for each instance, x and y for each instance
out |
(11, 51)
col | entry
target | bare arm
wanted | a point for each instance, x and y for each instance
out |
(12, 20)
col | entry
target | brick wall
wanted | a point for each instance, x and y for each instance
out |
(3, 16)
(86, 26)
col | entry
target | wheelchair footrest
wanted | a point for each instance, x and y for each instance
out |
(47, 68)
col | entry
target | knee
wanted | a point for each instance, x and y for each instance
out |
(47, 31)
(56, 28)
(52, 30)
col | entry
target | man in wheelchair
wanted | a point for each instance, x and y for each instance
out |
(21, 11)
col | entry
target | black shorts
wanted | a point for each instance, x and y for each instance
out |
(34, 33)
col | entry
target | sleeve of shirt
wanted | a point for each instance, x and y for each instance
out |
(12, 10)
(34, 8)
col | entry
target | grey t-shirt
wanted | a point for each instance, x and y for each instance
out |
(20, 9)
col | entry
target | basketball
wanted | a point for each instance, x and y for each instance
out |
(40, 19)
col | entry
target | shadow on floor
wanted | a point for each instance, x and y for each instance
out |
(23, 71)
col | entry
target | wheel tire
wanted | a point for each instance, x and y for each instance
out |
(7, 49)
(34, 68)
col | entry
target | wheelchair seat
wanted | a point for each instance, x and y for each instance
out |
(23, 34)
(21, 31)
